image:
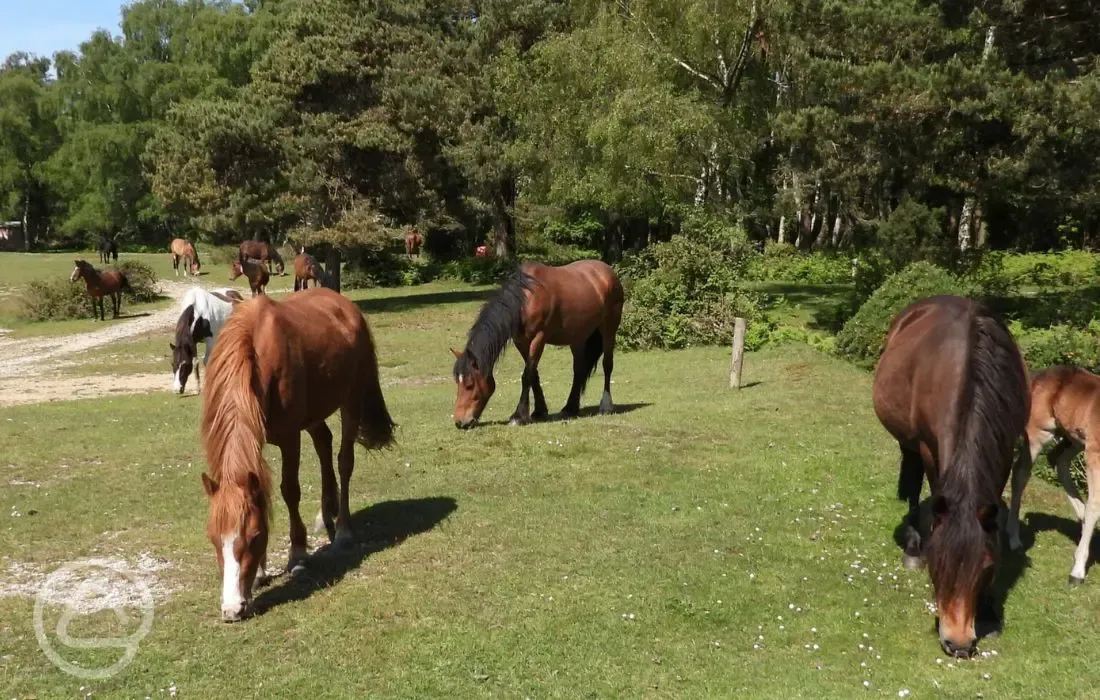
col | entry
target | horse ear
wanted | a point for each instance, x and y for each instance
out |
(987, 516)
(254, 488)
(173, 346)
(456, 353)
(209, 485)
(472, 360)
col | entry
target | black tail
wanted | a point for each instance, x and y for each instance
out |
(125, 283)
(593, 348)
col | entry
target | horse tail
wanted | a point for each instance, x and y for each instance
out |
(233, 431)
(593, 348)
(124, 283)
(375, 424)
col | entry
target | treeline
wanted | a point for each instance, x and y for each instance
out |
(914, 126)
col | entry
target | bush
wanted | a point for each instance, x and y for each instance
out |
(54, 299)
(1059, 345)
(142, 279)
(785, 263)
(862, 337)
(487, 270)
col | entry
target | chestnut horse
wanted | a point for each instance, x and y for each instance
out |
(264, 252)
(182, 249)
(306, 269)
(279, 369)
(1065, 408)
(952, 389)
(202, 315)
(578, 305)
(100, 284)
(413, 241)
(255, 272)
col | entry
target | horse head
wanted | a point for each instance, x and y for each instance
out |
(474, 386)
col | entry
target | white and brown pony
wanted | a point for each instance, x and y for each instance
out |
(100, 284)
(1065, 410)
(183, 250)
(278, 369)
(202, 315)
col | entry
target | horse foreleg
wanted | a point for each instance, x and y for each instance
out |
(349, 430)
(1092, 514)
(291, 448)
(910, 482)
(527, 351)
(322, 443)
(116, 305)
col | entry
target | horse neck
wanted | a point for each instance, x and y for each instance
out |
(233, 429)
(91, 277)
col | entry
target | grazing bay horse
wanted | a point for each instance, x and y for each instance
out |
(202, 315)
(952, 389)
(279, 369)
(108, 248)
(264, 252)
(255, 272)
(1065, 409)
(306, 268)
(182, 249)
(579, 305)
(100, 284)
(413, 241)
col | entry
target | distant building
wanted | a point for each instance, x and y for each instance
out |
(11, 235)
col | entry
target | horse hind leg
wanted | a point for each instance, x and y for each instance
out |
(910, 483)
(292, 495)
(330, 496)
(606, 405)
(349, 431)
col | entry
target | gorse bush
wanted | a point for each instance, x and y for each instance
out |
(1059, 345)
(862, 337)
(142, 279)
(54, 299)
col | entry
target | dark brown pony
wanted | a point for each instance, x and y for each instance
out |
(264, 252)
(1065, 410)
(183, 250)
(952, 389)
(578, 305)
(108, 248)
(100, 284)
(255, 272)
(413, 241)
(306, 269)
(279, 369)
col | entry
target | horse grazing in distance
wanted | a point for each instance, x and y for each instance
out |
(108, 248)
(100, 284)
(1065, 409)
(951, 387)
(255, 272)
(306, 268)
(413, 241)
(279, 369)
(263, 252)
(579, 305)
(202, 315)
(182, 249)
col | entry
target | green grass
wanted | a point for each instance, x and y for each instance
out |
(508, 562)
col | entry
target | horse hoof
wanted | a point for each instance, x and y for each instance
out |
(912, 563)
(296, 568)
(344, 540)
(1074, 582)
(542, 415)
(516, 420)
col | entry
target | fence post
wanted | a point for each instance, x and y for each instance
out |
(738, 353)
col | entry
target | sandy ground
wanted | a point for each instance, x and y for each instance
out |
(27, 363)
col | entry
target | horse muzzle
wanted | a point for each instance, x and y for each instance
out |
(236, 613)
(465, 423)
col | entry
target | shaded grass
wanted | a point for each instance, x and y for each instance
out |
(641, 554)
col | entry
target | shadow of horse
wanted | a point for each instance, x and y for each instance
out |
(586, 412)
(376, 528)
(412, 301)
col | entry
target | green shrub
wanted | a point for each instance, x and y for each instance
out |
(142, 279)
(1072, 268)
(54, 299)
(785, 263)
(912, 233)
(1059, 345)
(473, 270)
(862, 337)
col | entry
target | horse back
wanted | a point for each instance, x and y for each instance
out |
(572, 301)
(1067, 400)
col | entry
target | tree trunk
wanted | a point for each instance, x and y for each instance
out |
(504, 242)
(965, 220)
(332, 268)
(27, 223)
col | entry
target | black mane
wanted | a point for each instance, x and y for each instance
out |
(496, 325)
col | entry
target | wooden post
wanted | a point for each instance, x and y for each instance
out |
(738, 352)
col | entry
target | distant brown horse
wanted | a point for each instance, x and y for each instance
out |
(306, 269)
(264, 252)
(100, 284)
(952, 389)
(579, 305)
(413, 241)
(183, 249)
(279, 369)
(1065, 409)
(256, 274)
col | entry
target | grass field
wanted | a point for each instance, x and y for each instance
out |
(699, 543)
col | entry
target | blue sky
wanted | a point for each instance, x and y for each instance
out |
(44, 27)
